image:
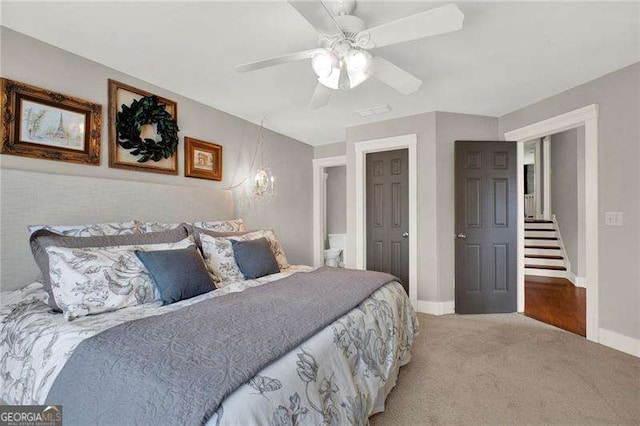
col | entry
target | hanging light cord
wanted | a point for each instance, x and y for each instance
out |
(259, 145)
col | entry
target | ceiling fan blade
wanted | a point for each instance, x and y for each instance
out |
(394, 76)
(291, 57)
(320, 97)
(436, 21)
(317, 14)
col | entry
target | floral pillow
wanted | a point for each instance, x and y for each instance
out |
(86, 281)
(90, 230)
(218, 256)
(147, 227)
(221, 262)
(276, 247)
(234, 225)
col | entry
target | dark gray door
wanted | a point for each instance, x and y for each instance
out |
(486, 228)
(388, 213)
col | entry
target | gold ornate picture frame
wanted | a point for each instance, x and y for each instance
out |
(39, 123)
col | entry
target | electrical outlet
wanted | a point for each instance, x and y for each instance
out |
(613, 218)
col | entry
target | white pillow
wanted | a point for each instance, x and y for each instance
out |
(89, 230)
(147, 227)
(86, 281)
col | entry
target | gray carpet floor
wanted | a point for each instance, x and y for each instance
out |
(509, 369)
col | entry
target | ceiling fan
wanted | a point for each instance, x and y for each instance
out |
(344, 59)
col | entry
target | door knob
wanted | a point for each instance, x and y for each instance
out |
(405, 235)
(461, 235)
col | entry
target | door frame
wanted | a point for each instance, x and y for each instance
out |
(587, 117)
(319, 203)
(363, 148)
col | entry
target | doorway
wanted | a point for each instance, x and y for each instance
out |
(387, 222)
(409, 143)
(320, 204)
(587, 117)
(555, 248)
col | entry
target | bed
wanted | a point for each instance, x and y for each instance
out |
(340, 375)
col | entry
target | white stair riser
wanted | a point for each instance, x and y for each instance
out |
(538, 226)
(545, 262)
(539, 234)
(545, 273)
(545, 252)
(553, 243)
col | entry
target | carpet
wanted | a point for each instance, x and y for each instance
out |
(510, 369)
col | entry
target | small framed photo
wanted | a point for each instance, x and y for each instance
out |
(202, 159)
(39, 123)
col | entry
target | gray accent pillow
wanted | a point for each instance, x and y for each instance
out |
(43, 238)
(255, 258)
(178, 274)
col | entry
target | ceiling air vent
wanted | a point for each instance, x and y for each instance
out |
(368, 112)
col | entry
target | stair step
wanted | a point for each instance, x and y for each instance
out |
(543, 256)
(541, 238)
(542, 247)
(537, 221)
(545, 273)
(550, 267)
(540, 229)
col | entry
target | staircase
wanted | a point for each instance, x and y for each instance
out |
(543, 254)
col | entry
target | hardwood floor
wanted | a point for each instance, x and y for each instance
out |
(557, 302)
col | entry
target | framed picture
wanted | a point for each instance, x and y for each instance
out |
(122, 158)
(202, 159)
(39, 123)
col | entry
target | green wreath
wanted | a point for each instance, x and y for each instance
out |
(147, 110)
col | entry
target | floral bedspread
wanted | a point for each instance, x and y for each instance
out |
(339, 376)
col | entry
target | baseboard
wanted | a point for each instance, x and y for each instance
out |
(436, 308)
(577, 281)
(620, 342)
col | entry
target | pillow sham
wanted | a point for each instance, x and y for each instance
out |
(276, 247)
(91, 230)
(255, 258)
(197, 231)
(147, 227)
(92, 280)
(234, 225)
(219, 258)
(43, 238)
(178, 274)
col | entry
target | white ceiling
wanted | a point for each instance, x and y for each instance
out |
(508, 55)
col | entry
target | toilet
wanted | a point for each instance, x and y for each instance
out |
(334, 255)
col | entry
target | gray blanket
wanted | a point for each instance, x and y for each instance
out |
(178, 367)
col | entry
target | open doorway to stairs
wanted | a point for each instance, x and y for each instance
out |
(558, 252)
(554, 230)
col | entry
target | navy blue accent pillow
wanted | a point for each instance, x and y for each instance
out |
(178, 274)
(255, 258)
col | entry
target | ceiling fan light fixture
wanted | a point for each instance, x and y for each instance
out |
(324, 63)
(358, 61)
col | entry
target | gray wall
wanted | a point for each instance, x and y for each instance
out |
(329, 150)
(289, 212)
(336, 199)
(436, 134)
(618, 97)
(564, 190)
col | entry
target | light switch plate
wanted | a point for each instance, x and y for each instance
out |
(613, 218)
